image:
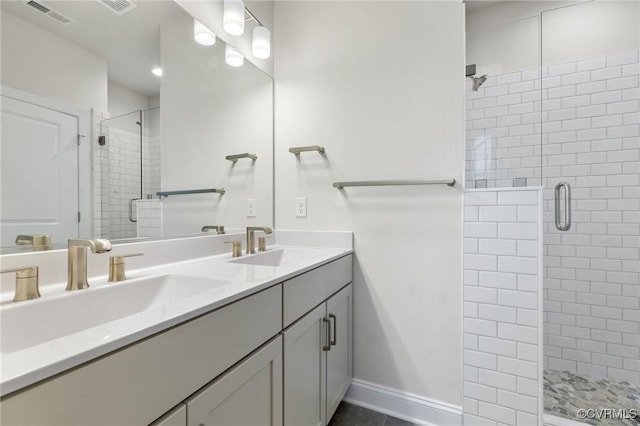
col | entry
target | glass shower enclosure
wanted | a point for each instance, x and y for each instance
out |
(591, 171)
(560, 109)
(130, 170)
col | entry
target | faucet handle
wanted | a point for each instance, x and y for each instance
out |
(218, 228)
(116, 267)
(38, 242)
(237, 248)
(26, 283)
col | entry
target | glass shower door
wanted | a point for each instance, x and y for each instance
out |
(591, 179)
(122, 178)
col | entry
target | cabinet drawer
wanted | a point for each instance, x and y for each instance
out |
(304, 292)
(135, 385)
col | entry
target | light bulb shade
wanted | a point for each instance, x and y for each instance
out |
(233, 57)
(261, 42)
(233, 18)
(203, 35)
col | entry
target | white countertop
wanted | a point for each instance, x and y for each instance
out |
(26, 366)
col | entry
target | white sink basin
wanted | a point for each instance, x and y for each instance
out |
(30, 323)
(280, 257)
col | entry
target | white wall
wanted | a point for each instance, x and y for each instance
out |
(595, 29)
(506, 37)
(210, 14)
(41, 63)
(210, 110)
(379, 85)
(506, 47)
(123, 100)
(496, 12)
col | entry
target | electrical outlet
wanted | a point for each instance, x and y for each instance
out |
(301, 207)
(251, 207)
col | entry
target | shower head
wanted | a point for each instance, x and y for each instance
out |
(477, 82)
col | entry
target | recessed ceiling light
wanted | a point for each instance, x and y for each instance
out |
(157, 71)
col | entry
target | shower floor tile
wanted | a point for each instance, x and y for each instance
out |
(565, 393)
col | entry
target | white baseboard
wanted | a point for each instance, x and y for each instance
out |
(403, 405)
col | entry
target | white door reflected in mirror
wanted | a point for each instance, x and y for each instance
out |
(39, 171)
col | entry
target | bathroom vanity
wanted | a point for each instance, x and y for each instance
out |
(262, 339)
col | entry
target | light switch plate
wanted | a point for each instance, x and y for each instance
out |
(301, 207)
(251, 207)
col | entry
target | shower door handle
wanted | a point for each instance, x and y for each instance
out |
(131, 219)
(567, 206)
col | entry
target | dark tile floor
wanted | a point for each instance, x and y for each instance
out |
(352, 415)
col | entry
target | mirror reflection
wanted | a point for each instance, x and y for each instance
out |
(104, 109)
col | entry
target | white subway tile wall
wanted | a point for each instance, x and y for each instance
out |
(587, 133)
(100, 173)
(572, 119)
(124, 180)
(117, 176)
(502, 374)
(149, 214)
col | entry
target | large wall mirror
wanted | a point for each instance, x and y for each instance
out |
(117, 124)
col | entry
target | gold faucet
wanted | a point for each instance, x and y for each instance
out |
(38, 242)
(26, 283)
(251, 241)
(116, 267)
(77, 279)
(218, 228)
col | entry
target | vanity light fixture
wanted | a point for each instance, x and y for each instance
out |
(261, 38)
(233, 57)
(203, 35)
(157, 71)
(233, 17)
(261, 42)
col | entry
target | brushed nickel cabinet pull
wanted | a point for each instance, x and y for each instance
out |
(335, 327)
(327, 347)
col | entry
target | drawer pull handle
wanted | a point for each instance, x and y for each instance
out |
(326, 321)
(335, 327)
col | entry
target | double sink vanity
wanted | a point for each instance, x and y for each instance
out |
(186, 339)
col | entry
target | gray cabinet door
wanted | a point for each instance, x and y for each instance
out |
(305, 370)
(250, 394)
(339, 358)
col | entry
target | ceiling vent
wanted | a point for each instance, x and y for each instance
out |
(57, 16)
(119, 7)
